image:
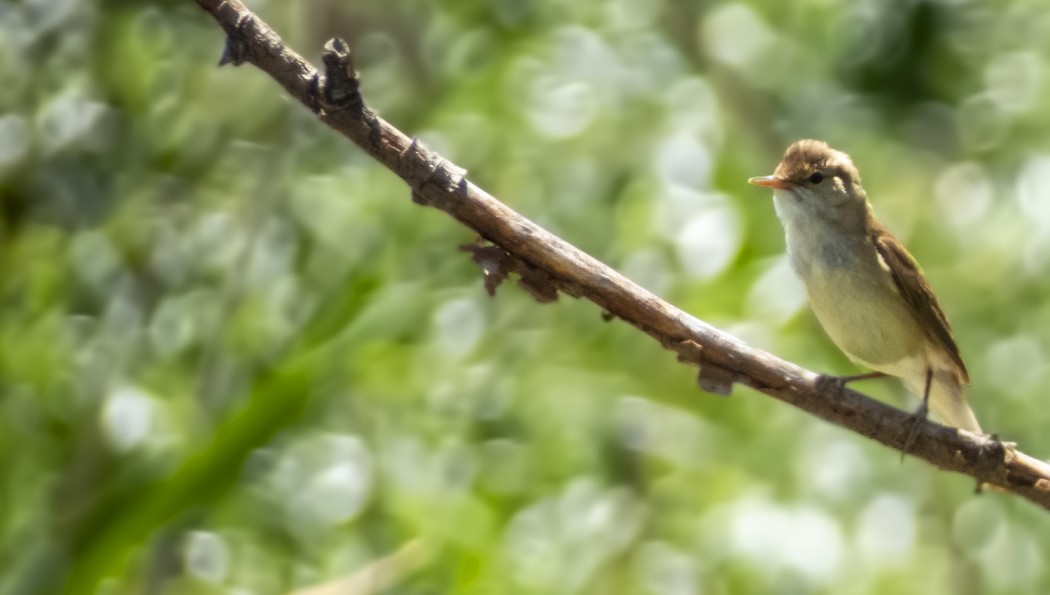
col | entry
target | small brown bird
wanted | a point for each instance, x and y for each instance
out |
(863, 285)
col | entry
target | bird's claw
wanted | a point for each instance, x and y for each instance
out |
(1007, 445)
(827, 383)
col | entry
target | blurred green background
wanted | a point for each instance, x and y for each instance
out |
(236, 359)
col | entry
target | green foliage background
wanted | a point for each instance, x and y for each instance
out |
(235, 358)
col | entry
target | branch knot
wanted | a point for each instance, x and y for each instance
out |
(419, 166)
(341, 87)
(236, 49)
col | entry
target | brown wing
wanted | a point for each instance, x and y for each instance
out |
(913, 287)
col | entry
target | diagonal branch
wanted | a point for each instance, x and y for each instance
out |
(547, 265)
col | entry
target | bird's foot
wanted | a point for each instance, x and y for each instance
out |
(999, 447)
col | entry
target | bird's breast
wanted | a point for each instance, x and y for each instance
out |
(854, 296)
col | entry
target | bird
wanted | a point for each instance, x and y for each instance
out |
(865, 288)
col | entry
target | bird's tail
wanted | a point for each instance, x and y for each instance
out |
(948, 402)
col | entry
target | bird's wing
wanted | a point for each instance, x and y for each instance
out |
(913, 287)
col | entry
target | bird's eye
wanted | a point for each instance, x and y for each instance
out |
(816, 178)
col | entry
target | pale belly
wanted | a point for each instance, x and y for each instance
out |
(866, 318)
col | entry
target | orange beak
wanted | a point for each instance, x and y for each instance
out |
(771, 182)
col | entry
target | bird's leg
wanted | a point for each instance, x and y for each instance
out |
(920, 414)
(839, 382)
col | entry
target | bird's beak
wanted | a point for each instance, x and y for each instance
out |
(770, 182)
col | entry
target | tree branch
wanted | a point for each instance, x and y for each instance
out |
(547, 265)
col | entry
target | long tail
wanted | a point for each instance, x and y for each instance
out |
(948, 402)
